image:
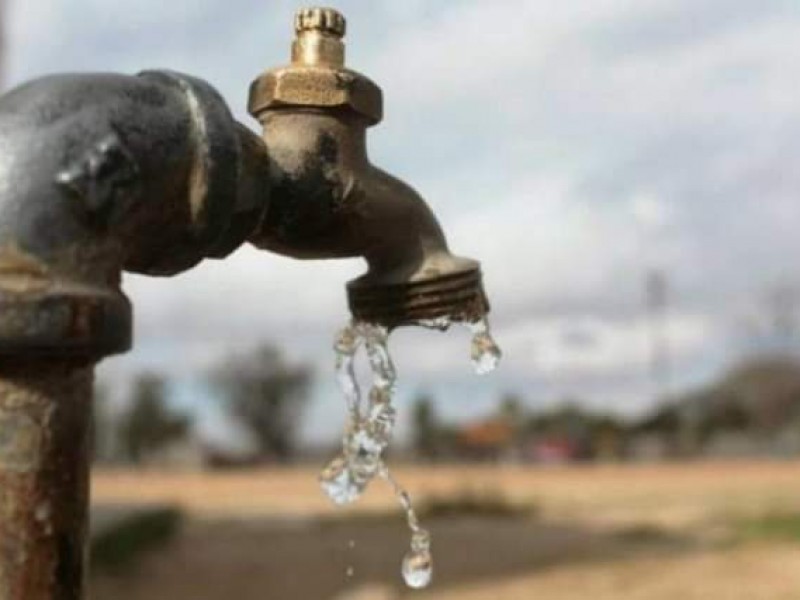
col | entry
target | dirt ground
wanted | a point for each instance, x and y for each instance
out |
(621, 532)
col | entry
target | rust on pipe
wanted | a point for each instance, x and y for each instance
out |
(44, 478)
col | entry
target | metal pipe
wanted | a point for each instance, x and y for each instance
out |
(97, 173)
(44, 477)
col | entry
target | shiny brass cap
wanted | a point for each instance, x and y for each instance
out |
(318, 37)
(317, 76)
(326, 20)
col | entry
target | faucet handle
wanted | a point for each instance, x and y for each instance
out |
(325, 20)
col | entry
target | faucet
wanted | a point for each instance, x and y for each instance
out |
(105, 173)
(329, 201)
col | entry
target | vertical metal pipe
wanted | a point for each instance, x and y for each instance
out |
(45, 423)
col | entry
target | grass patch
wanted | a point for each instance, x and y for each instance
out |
(474, 503)
(774, 526)
(465, 503)
(120, 545)
(643, 534)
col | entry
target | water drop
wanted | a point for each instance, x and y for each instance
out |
(376, 339)
(350, 572)
(363, 457)
(346, 344)
(418, 569)
(439, 323)
(347, 340)
(370, 427)
(484, 351)
(339, 483)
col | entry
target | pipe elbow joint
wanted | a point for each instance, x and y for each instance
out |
(103, 172)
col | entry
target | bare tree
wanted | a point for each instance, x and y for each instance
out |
(426, 428)
(148, 425)
(266, 396)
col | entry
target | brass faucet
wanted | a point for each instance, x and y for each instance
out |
(328, 200)
(101, 173)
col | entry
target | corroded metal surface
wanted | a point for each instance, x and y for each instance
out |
(44, 458)
(100, 173)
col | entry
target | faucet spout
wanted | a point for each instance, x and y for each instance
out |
(329, 201)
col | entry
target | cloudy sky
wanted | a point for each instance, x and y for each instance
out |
(571, 146)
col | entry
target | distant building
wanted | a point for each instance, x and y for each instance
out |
(554, 450)
(490, 439)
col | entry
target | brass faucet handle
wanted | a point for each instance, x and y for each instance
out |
(325, 20)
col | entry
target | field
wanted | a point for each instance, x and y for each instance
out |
(700, 530)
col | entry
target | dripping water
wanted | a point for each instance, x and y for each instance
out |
(371, 421)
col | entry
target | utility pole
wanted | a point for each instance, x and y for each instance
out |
(656, 300)
(781, 305)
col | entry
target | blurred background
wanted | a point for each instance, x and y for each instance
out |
(624, 169)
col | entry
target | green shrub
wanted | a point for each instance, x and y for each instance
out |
(120, 544)
(777, 525)
(474, 503)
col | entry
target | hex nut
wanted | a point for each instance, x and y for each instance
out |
(316, 86)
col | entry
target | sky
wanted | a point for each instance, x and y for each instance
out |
(571, 146)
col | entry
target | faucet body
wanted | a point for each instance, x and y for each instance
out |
(101, 173)
(329, 201)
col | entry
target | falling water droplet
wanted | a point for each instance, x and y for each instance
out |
(346, 345)
(418, 563)
(439, 323)
(484, 351)
(369, 428)
(338, 482)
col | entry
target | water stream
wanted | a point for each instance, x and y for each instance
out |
(371, 421)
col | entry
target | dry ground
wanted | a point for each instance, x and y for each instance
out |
(621, 532)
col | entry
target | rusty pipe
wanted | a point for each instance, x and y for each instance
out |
(98, 173)
(329, 201)
(44, 477)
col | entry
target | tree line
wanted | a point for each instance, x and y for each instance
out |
(260, 391)
(752, 408)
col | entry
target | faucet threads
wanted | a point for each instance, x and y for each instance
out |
(458, 296)
(325, 20)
